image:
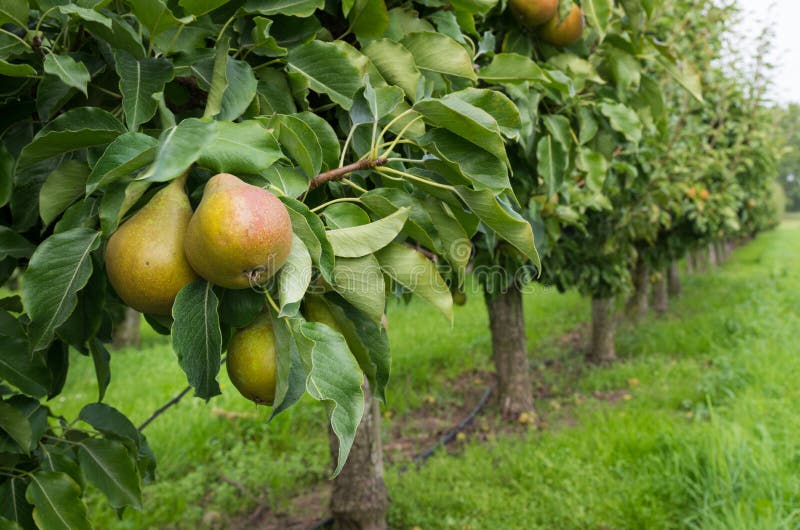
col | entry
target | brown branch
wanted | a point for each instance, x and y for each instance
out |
(340, 172)
(165, 407)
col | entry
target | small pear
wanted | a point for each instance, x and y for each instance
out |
(240, 235)
(145, 261)
(532, 13)
(252, 361)
(564, 32)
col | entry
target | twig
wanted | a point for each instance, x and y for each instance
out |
(159, 411)
(340, 172)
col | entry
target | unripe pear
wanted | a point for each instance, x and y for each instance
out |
(564, 32)
(240, 235)
(532, 13)
(252, 361)
(145, 261)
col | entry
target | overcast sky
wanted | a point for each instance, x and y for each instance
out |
(783, 16)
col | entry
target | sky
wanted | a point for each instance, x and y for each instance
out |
(783, 16)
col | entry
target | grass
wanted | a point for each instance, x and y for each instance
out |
(707, 438)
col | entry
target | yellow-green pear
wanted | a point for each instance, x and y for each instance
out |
(240, 235)
(252, 361)
(532, 13)
(145, 261)
(564, 32)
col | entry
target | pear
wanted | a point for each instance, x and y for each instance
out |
(240, 235)
(532, 13)
(145, 261)
(252, 362)
(564, 32)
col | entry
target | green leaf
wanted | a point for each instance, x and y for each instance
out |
(551, 163)
(63, 186)
(684, 72)
(326, 137)
(6, 174)
(127, 153)
(328, 70)
(623, 119)
(14, 505)
(200, 7)
(385, 201)
(22, 369)
(14, 12)
(14, 245)
(296, 8)
(368, 18)
(396, 65)
(16, 70)
(418, 274)
(510, 68)
(596, 167)
(335, 378)
(138, 81)
(300, 142)
(51, 95)
(308, 227)
(360, 282)
(75, 129)
(219, 78)
(455, 242)
(497, 105)
(102, 369)
(89, 15)
(111, 422)
(481, 168)
(625, 68)
(179, 148)
(58, 269)
(346, 214)
(16, 425)
(439, 53)
(239, 307)
(598, 12)
(244, 147)
(197, 337)
(358, 241)
(290, 384)
(294, 278)
(465, 120)
(154, 15)
(559, 127)
(241, 90)
(109, 467)
(121, 36)
(71, 72)
(291, 180)
(57, 502)
(263, 43)
(506, 223)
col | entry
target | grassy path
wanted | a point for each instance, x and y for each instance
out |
(705, 440)
(706, 435)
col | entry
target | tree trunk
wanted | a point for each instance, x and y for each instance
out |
(602, 345)
(690, 266)
(126, 333)
(359, 500)
(660, 296)
(722, 255)
(700, 261)
(673, 279)
(637, 304)
(713, 261)
(510, 353)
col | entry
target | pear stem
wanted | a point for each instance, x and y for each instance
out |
(341, 172)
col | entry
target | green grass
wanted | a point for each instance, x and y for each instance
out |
(707, 440)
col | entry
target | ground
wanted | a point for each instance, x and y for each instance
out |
(695, 427)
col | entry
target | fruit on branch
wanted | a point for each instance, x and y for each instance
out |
(459, 297)
(704, 194)
(692, 193)
(145, 260)
(240, 235)
(252, 362)
(564, 32)
(532, 13)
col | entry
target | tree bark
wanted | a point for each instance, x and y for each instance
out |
(713, 261)
(510, 353)
(660, 296)
(126, 332)
(359, 500)
(602, 345)
(673, 279)
(637, 304)
(690, 265)
(700, 261)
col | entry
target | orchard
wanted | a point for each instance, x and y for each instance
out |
(265, 184)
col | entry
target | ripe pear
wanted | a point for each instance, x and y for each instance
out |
(564, 32)
(145, 261)
(532, 13)
(240, 235)
(252, 361)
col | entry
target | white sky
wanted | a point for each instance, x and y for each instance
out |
(783, 16)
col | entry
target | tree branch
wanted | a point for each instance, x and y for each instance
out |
(340, 172)
(163, 408)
